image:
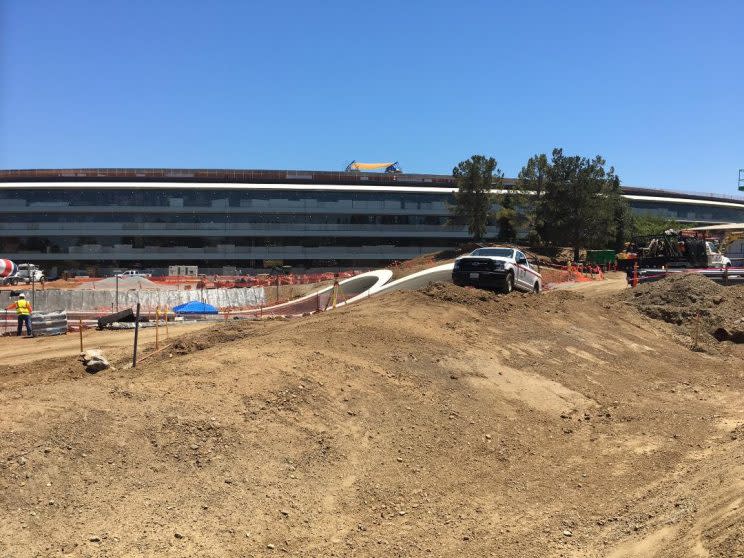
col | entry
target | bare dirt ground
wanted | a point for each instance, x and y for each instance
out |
(444, 422)
(24, 350)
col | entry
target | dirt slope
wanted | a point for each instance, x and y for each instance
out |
(445, 422)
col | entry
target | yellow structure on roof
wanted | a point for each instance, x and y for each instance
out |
(389, 167)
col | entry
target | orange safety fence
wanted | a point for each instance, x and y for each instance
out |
(233, 281)
(571, 273)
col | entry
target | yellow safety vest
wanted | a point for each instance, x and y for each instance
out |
(23, 308)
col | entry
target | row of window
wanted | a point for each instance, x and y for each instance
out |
(225, 218)
(9, 245)
(45, 201)
(684, 212)
(214, 198)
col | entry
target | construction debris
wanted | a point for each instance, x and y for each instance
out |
(123, 316)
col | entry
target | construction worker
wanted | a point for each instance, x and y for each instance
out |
(23, 309)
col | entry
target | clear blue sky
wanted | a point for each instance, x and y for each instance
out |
(656, 87)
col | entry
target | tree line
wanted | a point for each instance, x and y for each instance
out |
(558, 201)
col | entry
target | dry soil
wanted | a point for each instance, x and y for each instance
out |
(445, 422)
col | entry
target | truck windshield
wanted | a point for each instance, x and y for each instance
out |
(497, 252)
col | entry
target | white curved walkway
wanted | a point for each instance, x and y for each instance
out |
(358, 288)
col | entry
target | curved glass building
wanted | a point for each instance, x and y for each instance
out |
(152, 218)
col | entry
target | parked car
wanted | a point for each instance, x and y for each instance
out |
(134, 274)
(499, 268)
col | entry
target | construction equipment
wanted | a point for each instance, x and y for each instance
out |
(729, 239)
(672, 249)
(732, 246)
(12, 274)
(7, 269)
(390, 168)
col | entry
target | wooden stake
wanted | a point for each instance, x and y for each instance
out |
(136, 335)
(80, 329)
(157, 328)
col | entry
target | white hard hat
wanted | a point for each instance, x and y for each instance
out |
(21, 295)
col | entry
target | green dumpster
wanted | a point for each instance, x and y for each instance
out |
(600, 257)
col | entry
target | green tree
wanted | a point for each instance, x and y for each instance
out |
(475, 178)
(507, 218)
(647, 225)
(528, 193)
(581, 206)
(622, 216)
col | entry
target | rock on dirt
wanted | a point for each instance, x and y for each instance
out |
(94, 361)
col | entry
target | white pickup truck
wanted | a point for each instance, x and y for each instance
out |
(505, 269)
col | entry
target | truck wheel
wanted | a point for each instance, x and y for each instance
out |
(508, 283)
(536, 288)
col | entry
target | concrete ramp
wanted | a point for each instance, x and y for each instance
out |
(352, 289)
(441, 273)
(358, 288)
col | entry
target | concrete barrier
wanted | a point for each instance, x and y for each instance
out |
(105, 300)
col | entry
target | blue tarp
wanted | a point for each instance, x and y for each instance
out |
(195, 307)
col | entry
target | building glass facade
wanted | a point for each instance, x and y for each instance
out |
(326, 220)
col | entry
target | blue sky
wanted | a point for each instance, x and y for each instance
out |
(655, 87)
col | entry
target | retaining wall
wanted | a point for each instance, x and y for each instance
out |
(104, 300)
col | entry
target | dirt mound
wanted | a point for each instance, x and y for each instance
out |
(687, 298)
(451, 293)
(440, 422)
(124, 284)
(681, 290)
(490, 302)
